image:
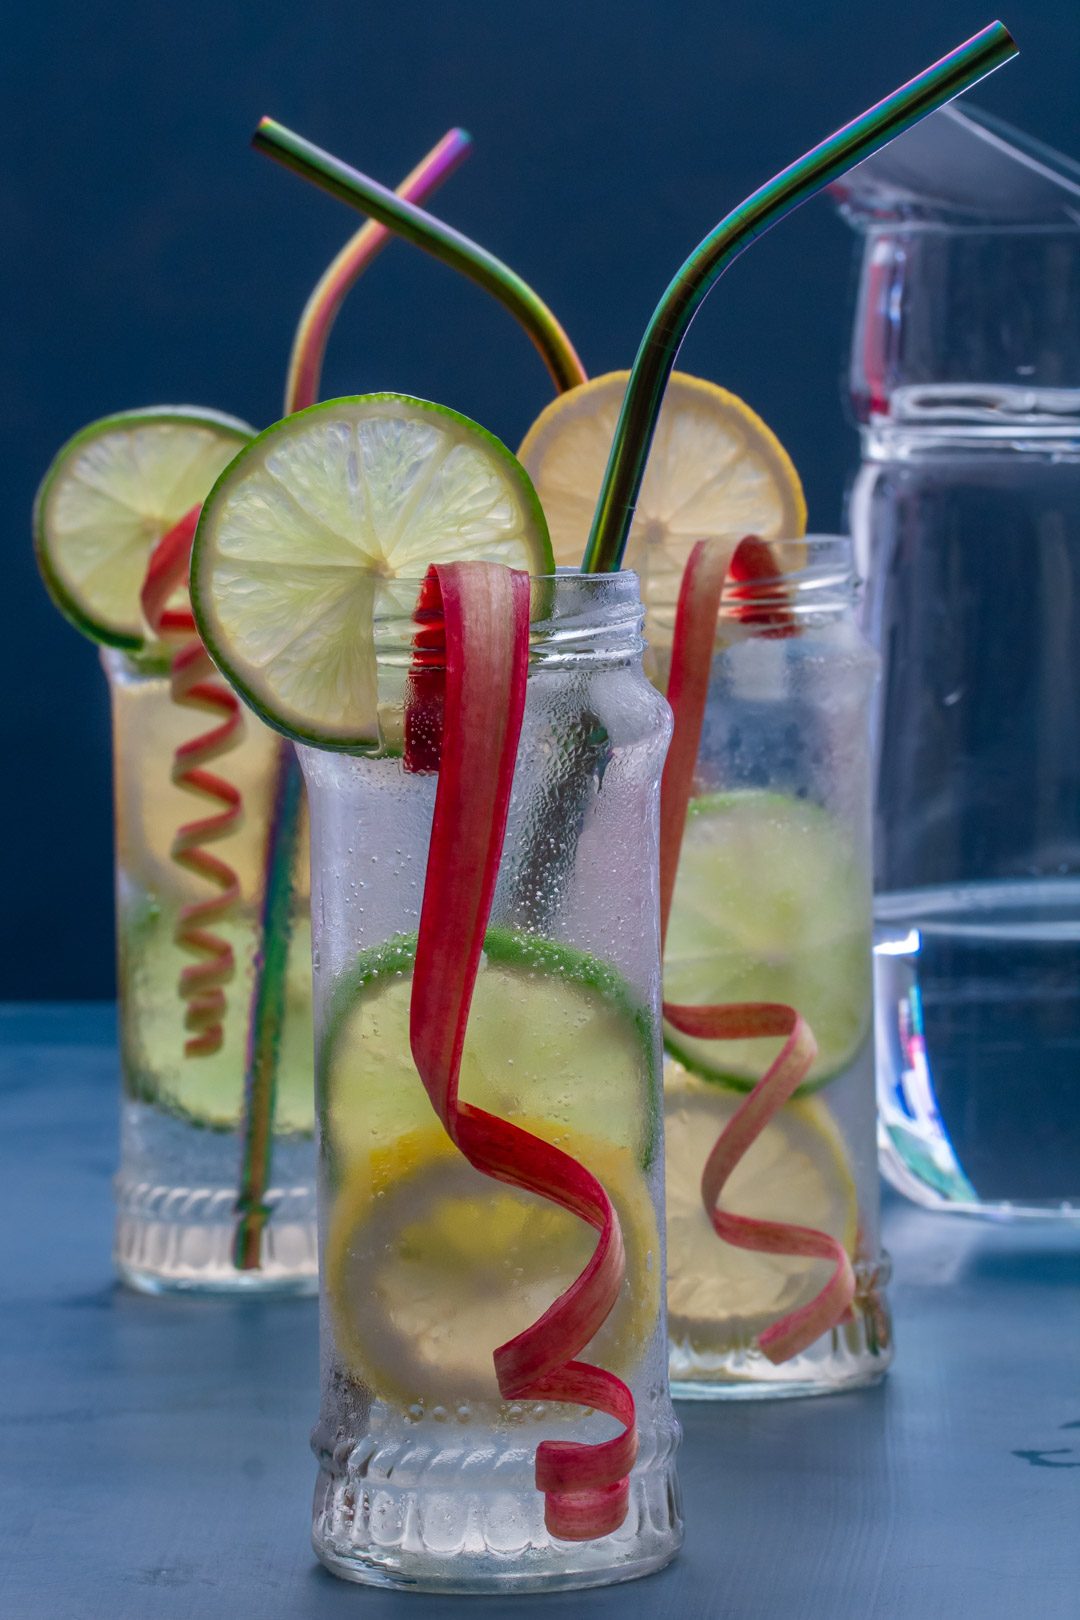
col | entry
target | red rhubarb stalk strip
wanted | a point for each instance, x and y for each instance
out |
(484, 609)
(195, 684)
(691, 659)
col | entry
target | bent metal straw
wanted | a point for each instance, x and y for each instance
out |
(283, 831)
(434, 237)
(485, 616)
(670, 322)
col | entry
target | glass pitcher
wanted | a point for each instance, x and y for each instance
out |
(965, 377)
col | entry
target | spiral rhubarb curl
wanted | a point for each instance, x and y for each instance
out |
(195, 684)
(472, 712)
(711, 563)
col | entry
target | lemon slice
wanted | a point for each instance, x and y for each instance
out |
(715, 469)
(553, 1033)
(107, 499)
(324, 526)
(770, 904)
(430, 1265)
(797, 1171)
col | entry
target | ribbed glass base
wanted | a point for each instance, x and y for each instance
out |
(702, 1367)
(471, 1520)
(172, 1239)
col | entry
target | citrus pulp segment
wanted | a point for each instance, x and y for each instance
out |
(430, 1265)
(324, 527)
(797, 1171)
(553, 1032)
(770, 904)
(110, 494)
(715, 469)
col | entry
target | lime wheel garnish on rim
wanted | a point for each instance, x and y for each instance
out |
(328, 521)
(112, 492)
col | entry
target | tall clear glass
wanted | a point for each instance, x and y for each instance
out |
(182, 1135)
(425, 1473)
(965, 378)
(773, 904)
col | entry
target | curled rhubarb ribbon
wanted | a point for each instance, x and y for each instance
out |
(483, 610)
(711, 563)
(195, 684)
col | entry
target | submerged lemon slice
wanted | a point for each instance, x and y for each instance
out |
(107, 499)
(325, 525)
(770, 904)
(715, 469)
(721, 1297)
(431, 1265)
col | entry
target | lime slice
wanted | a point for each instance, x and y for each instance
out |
(430, 1265)
(553, 1034)
(715, 469)
(325, 525)
(770, 904)
(107, 499)
(209, 1092)
(797, 1171)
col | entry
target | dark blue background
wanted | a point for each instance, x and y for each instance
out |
(151, 257)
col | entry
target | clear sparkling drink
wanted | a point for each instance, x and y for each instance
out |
(183, 1140)
(426, 1474)
(772, 904)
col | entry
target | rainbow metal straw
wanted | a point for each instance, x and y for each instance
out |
(267, 1000)
(322, 308)
(671, 320)
(434, 237)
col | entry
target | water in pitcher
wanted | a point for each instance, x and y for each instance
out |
(966, 518)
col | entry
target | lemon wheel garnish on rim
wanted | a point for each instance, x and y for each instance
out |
(552, 1031)
(797, 1171)
(328, 521)
(430, 1265)
(771, 904)
(110, 494)
(715, 469)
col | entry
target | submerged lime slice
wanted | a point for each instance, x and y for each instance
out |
(209, 1091)
(771, 904)
(107, 499)
(324, 526)
(553, 1034)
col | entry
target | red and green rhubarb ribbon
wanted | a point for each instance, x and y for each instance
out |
(484, 613)
(195, 684)
(710, 564)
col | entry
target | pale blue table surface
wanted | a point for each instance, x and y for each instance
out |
(154, 1461)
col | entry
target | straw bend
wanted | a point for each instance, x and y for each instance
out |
(671, 320)
(322, 308)
(433, 236)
